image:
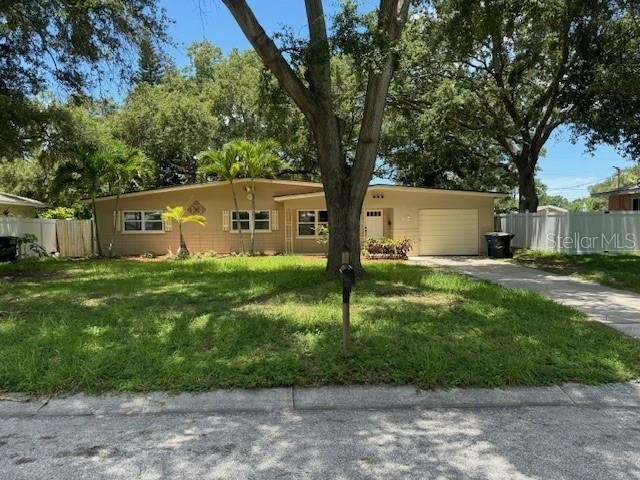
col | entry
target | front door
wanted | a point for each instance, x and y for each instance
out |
(373, 224)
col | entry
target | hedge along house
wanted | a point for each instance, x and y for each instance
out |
(289, 214)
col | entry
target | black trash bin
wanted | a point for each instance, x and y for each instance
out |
(8, 249)
(499, 244)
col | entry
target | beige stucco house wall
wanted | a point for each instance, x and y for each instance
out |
(217, 200)
(401, 208)
(397, 208)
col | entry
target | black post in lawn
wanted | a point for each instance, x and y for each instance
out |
(348, 275)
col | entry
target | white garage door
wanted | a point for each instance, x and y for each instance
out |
(448, 231)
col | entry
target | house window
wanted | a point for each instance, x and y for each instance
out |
(310, 220)
(243, 220)
(262, 220)
(636, 204)
(143, 221)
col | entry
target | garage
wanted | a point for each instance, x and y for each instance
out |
(447, 231)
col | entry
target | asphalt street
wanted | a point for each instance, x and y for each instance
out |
(545, 442)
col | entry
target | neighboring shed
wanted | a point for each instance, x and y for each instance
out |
(623, 198)
(551, 209)
(17, 206)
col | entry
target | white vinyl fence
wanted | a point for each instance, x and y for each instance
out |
(69, 238)
(574, 232)
(43, 229)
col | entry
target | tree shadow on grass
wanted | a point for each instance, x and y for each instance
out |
(202, 325)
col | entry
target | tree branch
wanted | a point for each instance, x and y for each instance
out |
(550, 95)
(272, 57)
(392, 16)
(319, 55)
(497, 63)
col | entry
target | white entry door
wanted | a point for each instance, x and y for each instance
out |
(373, 224)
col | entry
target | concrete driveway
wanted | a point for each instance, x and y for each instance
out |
(617, 308)
(568, 442)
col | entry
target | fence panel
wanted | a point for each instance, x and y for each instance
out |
(44, 230)
(76, 238)
(574, 232)
(9, 227)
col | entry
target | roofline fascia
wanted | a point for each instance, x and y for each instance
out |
(220, 183)
(283, 198)
(35, 204)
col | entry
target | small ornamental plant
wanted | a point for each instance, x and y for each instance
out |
(179, 215)
(387, 248)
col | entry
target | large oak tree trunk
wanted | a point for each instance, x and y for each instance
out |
(343, 207)
(345, 184)
(527, 194)
(344, 225)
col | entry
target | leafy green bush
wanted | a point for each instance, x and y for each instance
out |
(323, 235)
(207, 254)
(386, 248)
(31, 243)
(67, 213)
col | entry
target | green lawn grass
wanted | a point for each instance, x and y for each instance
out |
(121, 325)
(611, 269)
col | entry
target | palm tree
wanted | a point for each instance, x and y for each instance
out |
(179, 215)
(126, 166)
(257, 159)
(88, 172)
(225, 164)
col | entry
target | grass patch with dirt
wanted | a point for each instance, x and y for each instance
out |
(616, 270)
(124, 325)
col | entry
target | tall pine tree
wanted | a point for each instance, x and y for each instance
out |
(150, 63)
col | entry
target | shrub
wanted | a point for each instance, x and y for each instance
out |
(386, 248)
(32, 244)
(207, 254)
(323, 235)
(67, 213)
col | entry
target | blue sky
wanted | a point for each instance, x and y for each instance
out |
(567, 169)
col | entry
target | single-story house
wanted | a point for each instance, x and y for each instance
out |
(623, 198)
(17, 206)
(288, 215)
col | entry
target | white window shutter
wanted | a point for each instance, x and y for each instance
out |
(274, 219)
(117, 220)
(225, 220)
(168, 225)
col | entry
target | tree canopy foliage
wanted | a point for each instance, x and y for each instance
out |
(506, 74)
(478, 89)
(63, 43)
(626, 177)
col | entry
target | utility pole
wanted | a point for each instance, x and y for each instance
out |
(618, 175)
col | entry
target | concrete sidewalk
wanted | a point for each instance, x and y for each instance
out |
(617, 308)
(357, 397)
